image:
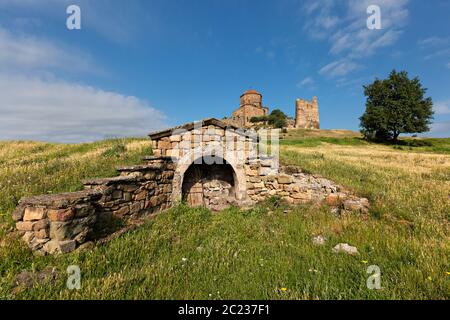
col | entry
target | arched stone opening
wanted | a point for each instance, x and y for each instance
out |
(209, 185)
(183, 164)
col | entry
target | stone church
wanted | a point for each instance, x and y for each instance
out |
(306, 112)
(250, 106)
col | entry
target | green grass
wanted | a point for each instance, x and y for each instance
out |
(187, 253)
(315, 138)
(317, 141)
(33, 168)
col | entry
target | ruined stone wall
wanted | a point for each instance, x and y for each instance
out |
(307, 114)
(296, 187)
(62, 222)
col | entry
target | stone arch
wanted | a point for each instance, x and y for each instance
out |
(195, 156)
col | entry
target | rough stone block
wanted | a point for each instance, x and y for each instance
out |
(133, 187)
(122, 211)
(175, 138)
(266, 171)
(135, 208)
(42, 233)
(25, 225)
(28, 236)
(164, 144)
(33, 213)
(76, 229)
(41, 224)
(117, 194)
(153, 201)
(82, 211)
(332, 199)
(259, 185)
(57, 247)
(61, 214)
(18, 213)
(127, 196)
(284, 179)
(141, 196)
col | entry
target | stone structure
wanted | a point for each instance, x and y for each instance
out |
(208, 163)
(59, 223)
(250, 106)
(307, 114)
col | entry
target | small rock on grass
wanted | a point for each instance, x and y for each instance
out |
(346, 248)
(319, 241)
(26, 280)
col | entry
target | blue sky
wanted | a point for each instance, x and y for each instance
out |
(137, 66)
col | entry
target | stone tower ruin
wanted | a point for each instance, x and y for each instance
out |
(307, 114)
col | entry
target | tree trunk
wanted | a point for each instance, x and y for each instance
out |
(396, 134)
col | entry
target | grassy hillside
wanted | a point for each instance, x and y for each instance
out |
(314, 138)
(263, 253)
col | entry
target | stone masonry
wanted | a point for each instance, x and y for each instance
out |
(59, 223)
(250, 106)
(307, 114)
(207, 163)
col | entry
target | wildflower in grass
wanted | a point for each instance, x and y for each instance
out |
(429, 278)
(365, 261)
(184, 259)
(447, 273)
(283, 289)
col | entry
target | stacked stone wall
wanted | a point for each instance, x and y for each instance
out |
(63, 222)
(60, 223)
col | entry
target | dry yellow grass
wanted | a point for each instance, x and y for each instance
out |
(382, 157)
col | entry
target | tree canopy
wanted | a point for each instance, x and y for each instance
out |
(395, 105)
(277, 119)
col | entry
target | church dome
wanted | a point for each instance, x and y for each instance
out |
(251, 91)
(251, 97)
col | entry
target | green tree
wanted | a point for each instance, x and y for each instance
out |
(277, 119)
(259, 119)
(395, 105)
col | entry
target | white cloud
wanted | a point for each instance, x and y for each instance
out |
(357, 40)
(22, 53)
(438, 53)
(442, 107)
(437, 47)
(433, 41)
(440, 129)
(324, 18)
(361, 43)
(305, 82)
(35, 109)
(116, 23)
(343, 25)
(338, 68)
